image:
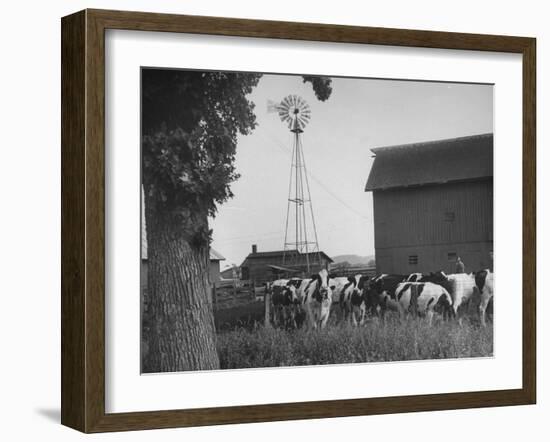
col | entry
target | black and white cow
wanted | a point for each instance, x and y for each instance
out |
(283, 302)
(294, 292)
(461, 287)
(415, 277)
(317, 300)
(339, 284)
(379, 294)
(349, 292)
(423, 299)
(485, 282)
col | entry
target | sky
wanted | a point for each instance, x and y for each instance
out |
(359, 115)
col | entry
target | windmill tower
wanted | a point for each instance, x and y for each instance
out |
(300, 230)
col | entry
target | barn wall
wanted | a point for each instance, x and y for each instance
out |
(475, 256)
(432, 222)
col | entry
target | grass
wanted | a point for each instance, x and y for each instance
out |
(244, 316)
(342, 344)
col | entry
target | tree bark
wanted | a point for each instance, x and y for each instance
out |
(182, 335)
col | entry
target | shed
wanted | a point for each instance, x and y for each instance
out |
(261, 267)
(215, 258)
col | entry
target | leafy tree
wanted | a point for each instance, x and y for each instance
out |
(190, 124)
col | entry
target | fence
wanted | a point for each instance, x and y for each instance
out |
(231, 293)
(369, 271)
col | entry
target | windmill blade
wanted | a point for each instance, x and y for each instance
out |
(273, 106)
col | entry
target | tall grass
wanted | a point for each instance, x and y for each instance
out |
(342, 344)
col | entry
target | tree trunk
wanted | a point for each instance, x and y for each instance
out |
(182, 334)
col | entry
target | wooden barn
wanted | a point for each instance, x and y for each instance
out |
(433, 202)
(261, 267)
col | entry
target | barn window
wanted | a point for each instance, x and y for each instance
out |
(413, 259)
(245, 273)
(449, 216)
(451, 256)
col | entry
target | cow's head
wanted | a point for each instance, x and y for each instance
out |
(363, 282)
(290, 294)
(323, 289)
(357, 288)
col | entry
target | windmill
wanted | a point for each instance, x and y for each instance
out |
(300, 230)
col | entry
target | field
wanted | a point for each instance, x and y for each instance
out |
(249, 344)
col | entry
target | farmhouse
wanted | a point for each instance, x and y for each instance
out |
(215, 258)
(433, 202)
(231, 272)
(261, 267)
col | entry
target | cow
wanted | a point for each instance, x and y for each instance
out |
(461, 287)
(349, 292)
(439, 278)
(423, 299)
(317, 299)
(283, 301)
(484, 280)
(340, 284)
(379, 294)
(357, 299)
(294, 293)
(296, 289)
(414, 277)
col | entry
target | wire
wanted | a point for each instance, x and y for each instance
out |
(317, 180)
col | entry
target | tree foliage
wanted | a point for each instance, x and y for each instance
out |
(191, 120)
(190, 124)
(322, 86)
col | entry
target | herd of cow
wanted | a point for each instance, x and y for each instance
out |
(296, 301)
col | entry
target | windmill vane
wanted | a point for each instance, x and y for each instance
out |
(293, 110)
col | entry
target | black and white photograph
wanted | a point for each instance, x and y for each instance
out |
(303, 220)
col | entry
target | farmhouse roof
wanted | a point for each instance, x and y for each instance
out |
(280, 253)
(283, 269)
(434, 162)
(215, 256)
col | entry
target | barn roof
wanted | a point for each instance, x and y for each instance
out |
(433, 162)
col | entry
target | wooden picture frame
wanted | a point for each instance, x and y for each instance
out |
(83, 220)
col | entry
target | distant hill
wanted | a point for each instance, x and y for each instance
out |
(353, 259)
